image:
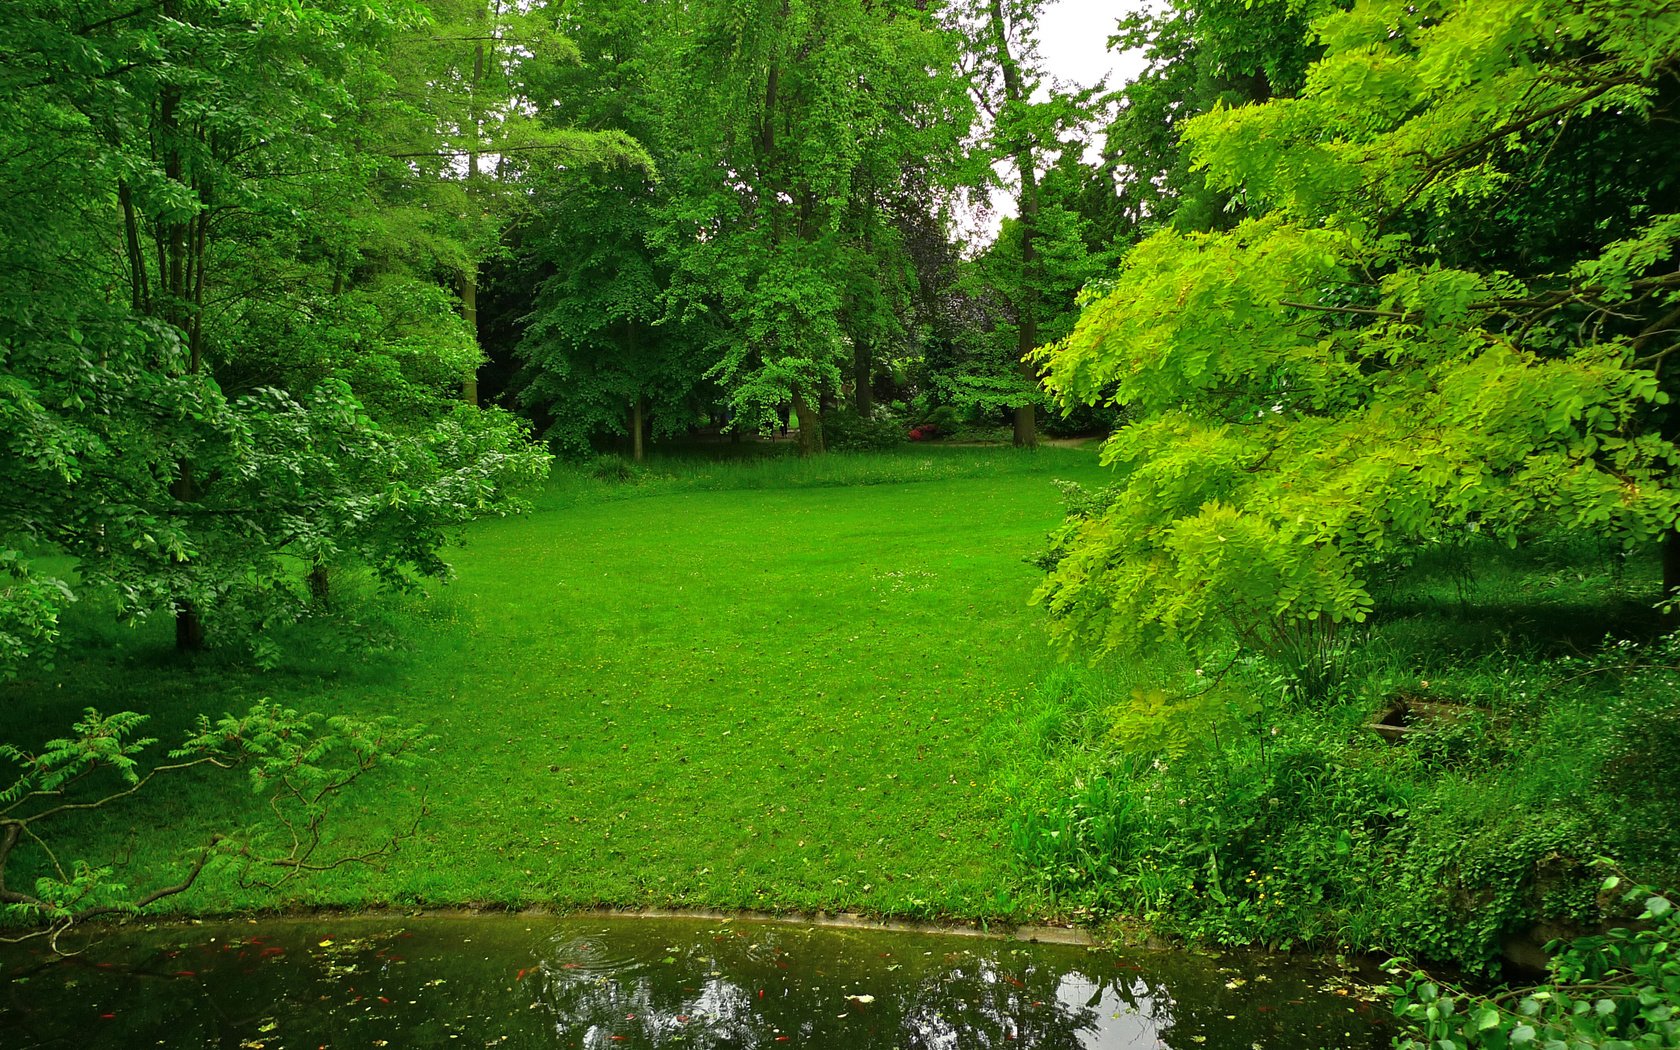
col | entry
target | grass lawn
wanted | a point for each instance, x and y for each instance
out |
(749, 685)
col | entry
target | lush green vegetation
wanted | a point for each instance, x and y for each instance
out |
(1363, 607)
(1240, 803)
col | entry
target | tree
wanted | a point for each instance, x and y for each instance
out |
(805, 107)
(168, 164)
(1028, 120)
(603, 353)
(1334, 383)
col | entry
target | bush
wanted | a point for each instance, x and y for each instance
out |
(846, 431)
(613, 468)
(1619, 990)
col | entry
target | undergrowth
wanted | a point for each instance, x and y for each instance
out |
(1236, 806)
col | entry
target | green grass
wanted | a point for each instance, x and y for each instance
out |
(755, 684)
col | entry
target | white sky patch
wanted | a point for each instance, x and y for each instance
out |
(1073, 38)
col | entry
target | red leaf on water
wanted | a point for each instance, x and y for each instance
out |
(266, 952)
(106, 966)
(1265, 1009)
(395, 958)
(1017, 983)
(621, 1039)
(682, 1018)
(568, 966)
(761, 993)
(629, 1017)
(106, 1017)
(186, 973)
(384, 1000)
(520, 976)
(782, 1038)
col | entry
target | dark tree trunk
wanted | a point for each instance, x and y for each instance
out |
(810, 425)
(1671, 578)
(189, 629)
(638, 425)
(319, 584)
(469, 314)
(863, 372)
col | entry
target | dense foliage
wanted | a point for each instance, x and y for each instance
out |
(1334, 384)
(223, 352)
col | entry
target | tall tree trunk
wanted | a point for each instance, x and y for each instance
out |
(810, 424)
(637, 425)
(189, 626)
(1671, 577)
(1026, 421)
(175, 244)
(320, 585)
(863, 374)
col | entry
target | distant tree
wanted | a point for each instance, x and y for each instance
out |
(794, 108)
(603, 350)
(1349, 375)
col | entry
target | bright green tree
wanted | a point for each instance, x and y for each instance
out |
(1336, 382)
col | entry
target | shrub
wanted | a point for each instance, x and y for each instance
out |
(846, 431)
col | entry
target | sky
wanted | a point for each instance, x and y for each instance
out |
(1073, 38)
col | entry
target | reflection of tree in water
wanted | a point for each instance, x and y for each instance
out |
(781, 988)
(1006, 997)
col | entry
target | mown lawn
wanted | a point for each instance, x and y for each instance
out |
(758, 685)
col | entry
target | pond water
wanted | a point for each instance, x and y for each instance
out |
(608, 982)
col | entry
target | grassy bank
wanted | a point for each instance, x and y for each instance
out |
(752, 684)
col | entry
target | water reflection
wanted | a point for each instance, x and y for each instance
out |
(520, 982)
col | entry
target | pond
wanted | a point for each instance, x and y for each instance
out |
(610, 982)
